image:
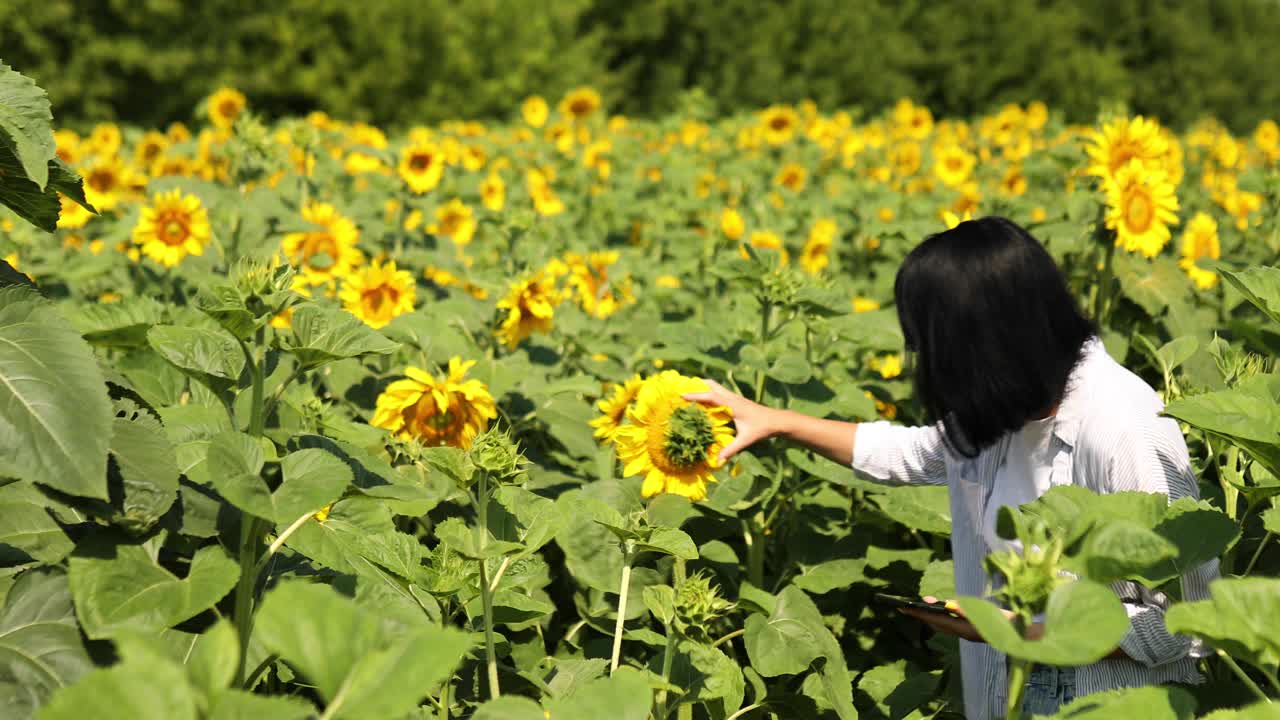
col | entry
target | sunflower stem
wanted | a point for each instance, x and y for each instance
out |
(625, 585)
(1244, 677)
(667, 656)
(1257, 554)
(766, 309)
(252, 529)
(1018, 670)
(486, 595)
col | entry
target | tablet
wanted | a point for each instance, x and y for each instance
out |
(896, 601)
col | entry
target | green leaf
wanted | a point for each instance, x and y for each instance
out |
(1119, 550)
(321, 334)
(125, 588)
(624, 696)
(26, 123)
(1154, 285)
(118, 324)
(896, 689)
(146, 685)
(1260, 285)
(788, 640)
(1240, 617)
(55, 417)
(525, 518)
(926, 508)
(313, 478)
(669, 541)
(240, 705)
(1147, 703)
(1083, 622)
(509, 708)
(360, 669)
(146, 464)
(211, 356)
(40, 647)
(661, 601)
(30, 528)
(38, 206)
(211, 663)
(831, 575)
(512, 607)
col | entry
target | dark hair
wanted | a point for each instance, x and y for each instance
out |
(993, 329)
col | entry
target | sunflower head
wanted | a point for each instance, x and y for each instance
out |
(528, 307)
(1141, 205)
(779, 123)
(172, 227)
(495, 452)
(379, 293)
(421, 166)
(446, 410)
(673, 442)
(613, 409)
(1200, 240)
(580, 103)
(225, 105)
(326, 253)
(534, 110)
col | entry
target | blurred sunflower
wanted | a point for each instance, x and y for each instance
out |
(72, 215)
(953, 165)
(455, 221)
(545, 200)
(779, 123)
(889, 366)
(1013, 183)
(325, 254)
(534, 110)
(1200, 240)
(378, 293)
(792, 177)
(421, 166)
(814, 257)
(613, 409)
(225, 105)
(173, 226)
(529, 307)
(766, 240)
(1141, 205)
(105, 139)
(449, 410)
(731, 223)
(580, 103)
(1121, 141)
(151, 146)
(598, 296)
(493, 192)
(105, 183)
(673, 442)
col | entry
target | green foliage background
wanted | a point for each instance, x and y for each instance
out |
(399, 62)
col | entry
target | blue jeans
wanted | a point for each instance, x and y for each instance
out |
(1048, 689)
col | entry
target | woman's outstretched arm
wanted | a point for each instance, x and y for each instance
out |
(833, 439)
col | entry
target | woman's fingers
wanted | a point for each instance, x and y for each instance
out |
(739, 443)
(702, 397)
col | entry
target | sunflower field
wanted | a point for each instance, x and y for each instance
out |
(311, 418)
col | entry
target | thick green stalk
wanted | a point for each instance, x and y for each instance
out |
(623, 588)
(252, 529)
(766, 309)
(754, 538)
(1018, 671)
(486, 595)
(667, 656)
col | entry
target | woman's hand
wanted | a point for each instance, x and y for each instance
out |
(754, 422)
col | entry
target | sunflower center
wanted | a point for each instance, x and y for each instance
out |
(101, 180)
(779, 123)
(580, 107)
(689, 435)
(1204, 246)
(374, 298)
(320, 250)
(229, 108)
(1139, 211)
(420, 162)
(173, 231)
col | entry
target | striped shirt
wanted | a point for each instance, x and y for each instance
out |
(1109, 437)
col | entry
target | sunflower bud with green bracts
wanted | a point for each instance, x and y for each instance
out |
(495, 452)
(697, 606)
(1032, 574)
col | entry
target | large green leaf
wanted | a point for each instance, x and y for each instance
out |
(790, 638)
(509, 707)
(1260, 285)
(525, 518)
(322, 333)
(623, 696)
(145, 461)
(1152, 284)
(1263, 710)
(359, 669)
(38, 206)
(1148, 703)
(123, 587)
(29, 528)
(145, 686)
(118, 324)
(1240, 617)
(55, 417)
(26, 124)
(313, 478)
(40, 647)
(211, 356)
(923, 508)
(1083, 622)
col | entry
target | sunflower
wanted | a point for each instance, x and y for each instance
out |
(1013, 183)
(1122, 141)
(172, 227)
(105, 182)
(225, 106)
(814, 257)
(953, 165)
(449, 410)
(1200, 240)
(675, 443)
(767, 240)
(589, 279)
(580, 103)
(150, 147)
(905, 158)
(614, 408)
(1141, 205)
(421, 166)
(952, 220)
(327, 253)
(889, 366)
(529, 306)
(534, 110)
(455, 221)
(779, 123)
(862, 304)
(379, 293)
(791, 176)
(731, 223)
(72, 215)
(545, 200)
(68, 145)
(105, 139)
(493, 192)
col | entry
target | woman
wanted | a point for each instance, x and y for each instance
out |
(1025, 398)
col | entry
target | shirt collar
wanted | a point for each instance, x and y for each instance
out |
(1072, 407)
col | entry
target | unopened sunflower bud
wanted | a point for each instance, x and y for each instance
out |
(496, 453)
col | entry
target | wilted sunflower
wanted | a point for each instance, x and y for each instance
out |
(779, 123)
(580, 103)
(225, 106)
(529, 307)
(421, 166)
(171, 227)
(613, 409)
(1124, 140)
(455, 221)
(379, 293)
(1200, 240)
(449, 410)
(675, 443)
(1141, 205)
(325, 254)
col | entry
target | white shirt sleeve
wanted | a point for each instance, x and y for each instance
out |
(898, 455)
